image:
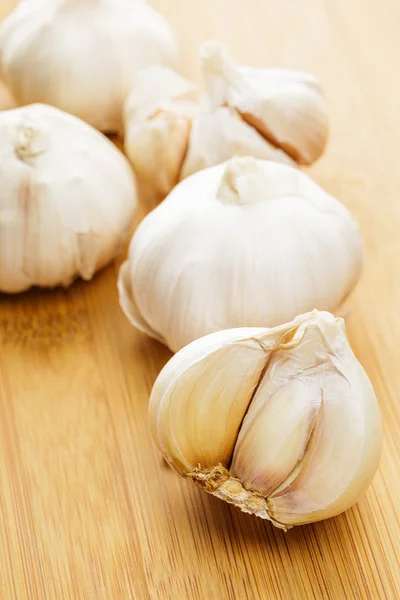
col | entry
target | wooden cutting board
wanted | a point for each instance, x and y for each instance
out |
(87, 508)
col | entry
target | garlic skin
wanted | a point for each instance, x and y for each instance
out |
(158, 120)
(67, 202)
(81, 56)
(283, 423)
(245, 243)
(285, 107)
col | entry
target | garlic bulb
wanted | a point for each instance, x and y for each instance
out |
(283, 423)
(285, 106)
(67, 199)
(269, 114)
(81, 56)
(157, 126)
(245, 243)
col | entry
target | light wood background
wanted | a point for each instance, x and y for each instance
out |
(88, 510)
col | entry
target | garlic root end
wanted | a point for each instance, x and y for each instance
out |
(218, 482)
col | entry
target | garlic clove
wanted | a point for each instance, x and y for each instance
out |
(219, 135)
(195, 436)
(275, 433)
(285, 107)
(157, 148)
(157, 127)
(283, 423)
(347, 431)
(293, 118)
(91, 77)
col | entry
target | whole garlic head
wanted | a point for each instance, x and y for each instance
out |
(283, 423)
(269, 114)
(245, 243)
(67, 200)
(158, 120)
(81, 56)
(285, 106)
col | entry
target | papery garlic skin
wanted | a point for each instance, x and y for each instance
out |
(245, 243)
(286, 107)
(82, 56)
(67, 202)
(158, 120)
(282, 423)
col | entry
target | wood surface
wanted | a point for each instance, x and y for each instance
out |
(88, 510)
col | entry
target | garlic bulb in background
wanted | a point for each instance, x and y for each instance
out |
(67, 199)
(269, 114)
(245, 243)
(283, 423)
(81, 56)
(285, 106)
(157, 126)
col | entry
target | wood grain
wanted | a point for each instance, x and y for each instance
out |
(88, 509)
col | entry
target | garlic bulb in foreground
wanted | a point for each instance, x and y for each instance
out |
(283, 423)
(285, 106)
(67, 199)
(81, 56)
(245, 243)
(157, 126)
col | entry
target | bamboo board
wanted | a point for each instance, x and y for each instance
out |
(87, 508)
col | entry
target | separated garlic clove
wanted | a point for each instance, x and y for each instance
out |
(221, 134)
(81, 56)
(285, 107)
(67, 201)
(157, 126)
(245, 243)
(283, 423)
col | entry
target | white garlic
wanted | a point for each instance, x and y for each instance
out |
(245, 243)
(283, 423)
(285, 106)
(269, 114)
(67, 199)
(158, 120)
(81, 55)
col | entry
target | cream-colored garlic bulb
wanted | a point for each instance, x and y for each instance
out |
(269, 114)
(245, 243)
(81, 55)
(285, 106)
(67, 199)
(283, 423)
(158, 120)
